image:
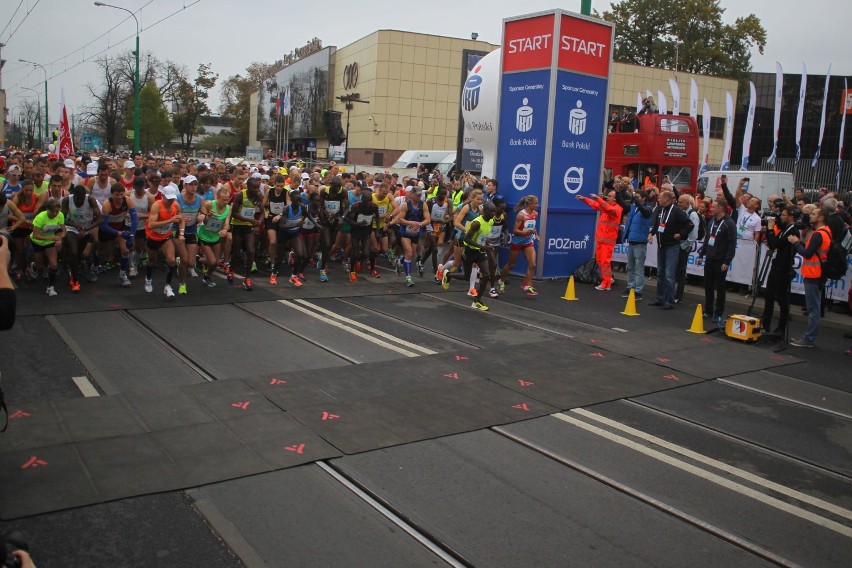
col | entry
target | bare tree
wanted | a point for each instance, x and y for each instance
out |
(110, 95)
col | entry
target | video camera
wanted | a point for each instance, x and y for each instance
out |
(12, 541)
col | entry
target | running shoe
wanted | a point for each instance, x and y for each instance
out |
(375, 273)
(123, 279)
(479, 306)
(409, 281)
(31, 272)
(492, 293)
(167, 290)
(601, 287)
(192, 272)
(253, 267)
(221, 264)
(247, 284)
(51, 291)
(149, 285)
(472, 292)
(92, 274)
(437, 280)
(132, 270)
(440, 274)
(353, 277)
(529, 290)
(501, 287)
(230, 274)
(313, 263)
(420, 269)
(182, 289)
(291, 258)
(273, 279)
(323, 276)
(294, 280)
(398, 266)
(445, 282)
(391, 256)
(357, 267)
(301, 277)
(208, 282)
(75, 286)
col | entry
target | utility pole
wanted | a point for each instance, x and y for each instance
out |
(349, 99)
(46, 107)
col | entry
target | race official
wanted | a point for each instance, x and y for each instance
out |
(606, 234)
(717, 254)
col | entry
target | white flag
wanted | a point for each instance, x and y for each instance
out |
(749, 127)
(675, 97)
(800, 114)
(638, 101)
(662, 103)
(287, 106)
(844, 110)
(779, 93)
(729, 132)
(705, 147)
(822, 118)
(693, 99)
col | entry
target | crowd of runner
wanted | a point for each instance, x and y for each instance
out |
(86, 216)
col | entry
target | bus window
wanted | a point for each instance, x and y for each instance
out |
(675, 125)
(680, 176)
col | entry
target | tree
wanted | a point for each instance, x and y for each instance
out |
(657, 33)
(236, 95)
(155, 128)
(190, 103)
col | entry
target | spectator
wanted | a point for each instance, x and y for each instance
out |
(636, 229)
(781, 268)
(649, 106)
(717, 254)
(686, 202)
(671, 225)
(814, 253)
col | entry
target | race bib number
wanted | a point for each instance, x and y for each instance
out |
(382, 210)
(364, 219)
(214, 225)
(481, 240)
(189, 218)
(332, 206)
(494, 233)
(529, 225)
(276, 207)
(412, 229)
(309, 224)
(164, 229)
(247, 212)
(50, 229)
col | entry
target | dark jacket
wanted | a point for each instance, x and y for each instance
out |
(784, 251)
(725, 245)
(837, 226)
(732, 202)
(677, 223)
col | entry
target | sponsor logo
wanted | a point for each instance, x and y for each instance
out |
(533, 43)
(472, 88)
(564, 243)
(350, 76)
(524, 116)
(577, 122)
(521, 176)
(573, 179)
(580, 45)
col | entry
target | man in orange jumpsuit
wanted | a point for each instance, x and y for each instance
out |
(606, 234)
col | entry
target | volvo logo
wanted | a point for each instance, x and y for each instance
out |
(350, 76)
(573, 179)
(521, 176)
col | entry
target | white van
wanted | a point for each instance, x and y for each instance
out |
(429, 158)
(760, 184)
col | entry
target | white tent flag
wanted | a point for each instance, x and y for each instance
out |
(693, 99)
(844, 110)
(822, 118)
(779, 92)
(638, 101)
(729, 132)
(752, 101)
(705, 146)
(800, 114)
(662, 103)
(675, 97)
(287, 105)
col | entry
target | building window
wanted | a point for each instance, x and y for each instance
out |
(717, 127)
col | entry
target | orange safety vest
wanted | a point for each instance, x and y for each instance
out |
(812, 265)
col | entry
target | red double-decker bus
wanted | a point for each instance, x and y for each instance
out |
(652, 146)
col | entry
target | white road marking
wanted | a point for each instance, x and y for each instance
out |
(709, 476)
(618, 329)
(365, 327)
(349, 329)
(85, 386)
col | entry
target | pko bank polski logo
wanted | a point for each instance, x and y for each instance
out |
(521, 176)
(573, 179)
(566, 244)
(472, 88)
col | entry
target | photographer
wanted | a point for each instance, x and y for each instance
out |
(781, 268)
(7, 291)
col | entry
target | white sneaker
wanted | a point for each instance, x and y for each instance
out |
(133, 271)
(51, 291)
(123, 279)
(192, 272)
(168, 291)
(149, 285)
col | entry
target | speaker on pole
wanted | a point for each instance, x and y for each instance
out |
(333, 128)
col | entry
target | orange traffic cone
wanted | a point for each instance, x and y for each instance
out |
(697, 321)
(630, 307)
(569, 290)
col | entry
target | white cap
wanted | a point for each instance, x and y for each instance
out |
(253, 169)
(129, 165)
(265, 177)
(189, 179)
(170, 191)
(306, 175)
(92, 169)
(256, 175)
(70, 163)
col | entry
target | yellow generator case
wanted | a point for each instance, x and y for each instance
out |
(743, 328)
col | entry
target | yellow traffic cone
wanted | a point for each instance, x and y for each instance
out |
(697, 321)
(630, 307)
(569, 290)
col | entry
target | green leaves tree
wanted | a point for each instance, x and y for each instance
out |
(155, 128)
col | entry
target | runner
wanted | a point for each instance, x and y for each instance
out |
(128, 176)
(28, 204)
(10, 212)
(440, 213)
(245, 205)
(310, 231)
(498, 237)
(335, 202)
(190, 207)
(464, 215)
(116, 211)
(523, 235)
(82, 218)
(215, 219)
(274, 203)
(159, 230)
(291, 222)
(100, 184)
(474, 243)
(141, 200)
(379, 240)
(412, 217)
(47, 234)
(361, 216)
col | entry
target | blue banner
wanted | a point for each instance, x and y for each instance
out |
(570, 240)
(523, 134)
(577, 151)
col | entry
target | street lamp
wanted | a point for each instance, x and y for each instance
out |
(46, 113)
(136, 79)
(38, 111)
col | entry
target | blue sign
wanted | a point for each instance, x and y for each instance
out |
(578, 139)
(312, 145)
(523, 134)
(569, 241)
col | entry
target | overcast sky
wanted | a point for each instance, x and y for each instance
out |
(231, 34)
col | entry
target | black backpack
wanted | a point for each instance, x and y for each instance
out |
(835, 265)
